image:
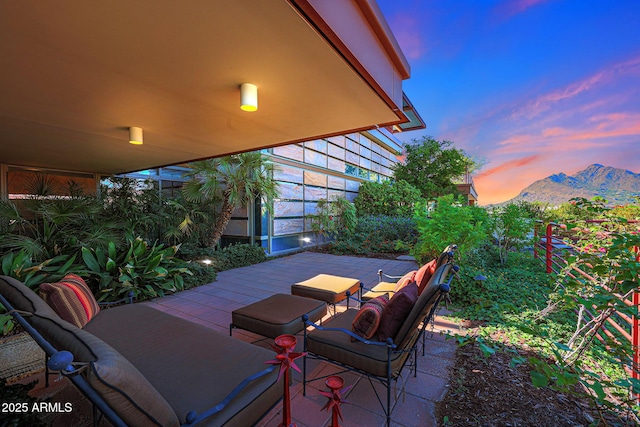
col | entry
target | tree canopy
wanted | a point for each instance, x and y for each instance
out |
(433, 166)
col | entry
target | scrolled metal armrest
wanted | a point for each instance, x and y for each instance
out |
(388, 343)
(193, 417)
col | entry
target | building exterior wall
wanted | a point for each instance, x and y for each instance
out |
(308, 172)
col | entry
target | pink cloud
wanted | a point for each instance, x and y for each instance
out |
(406, 29)
(514, 7)
(546, 101)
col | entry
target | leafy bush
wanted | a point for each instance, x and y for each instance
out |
(509, 227)
(333, 219)
(450, 222)
(378, 234)
(387, 198)
(239, 255)
(209, 260)
(146, 271)
(21, 266)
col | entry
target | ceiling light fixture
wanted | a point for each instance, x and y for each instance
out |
(135, 136)
(248, 97)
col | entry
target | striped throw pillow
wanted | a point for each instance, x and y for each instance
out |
(368, 318)
(72, 299)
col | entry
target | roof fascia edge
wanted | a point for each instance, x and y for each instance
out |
(308, 12)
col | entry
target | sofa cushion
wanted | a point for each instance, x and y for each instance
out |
(24, 298)
(193, 367)
(72, 299)
(424, 274)
(396, 311)
(124, 388)
(367, 320)
(405, 280)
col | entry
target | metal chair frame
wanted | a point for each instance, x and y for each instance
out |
(392, 350)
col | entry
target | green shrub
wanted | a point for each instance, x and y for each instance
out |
(377, 234)
(240, 255)
(333, 219)
(450, 222)
(147, 271)
(509, 227)
(387, 198)
(21, 266)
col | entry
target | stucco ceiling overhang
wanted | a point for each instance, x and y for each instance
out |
(76, 74)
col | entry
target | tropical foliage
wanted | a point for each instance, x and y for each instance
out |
(143, 270)
(333, 219)
(229, 182)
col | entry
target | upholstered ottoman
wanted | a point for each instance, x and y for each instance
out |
(327, 288)
(279, 314)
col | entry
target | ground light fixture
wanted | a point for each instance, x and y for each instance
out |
(248, 97)
(135, 136)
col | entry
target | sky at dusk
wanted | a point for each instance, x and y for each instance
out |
(527, 87)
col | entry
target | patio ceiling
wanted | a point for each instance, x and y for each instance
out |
(76, 74)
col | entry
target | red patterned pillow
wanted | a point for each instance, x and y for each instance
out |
(72, 299)
(368, 318)
(424, 274)
(405, 280)
(396, 311)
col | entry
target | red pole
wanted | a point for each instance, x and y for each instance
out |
(535, 241)
(635, 332)
(549, 247)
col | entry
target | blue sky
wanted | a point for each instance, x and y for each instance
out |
(528, 87)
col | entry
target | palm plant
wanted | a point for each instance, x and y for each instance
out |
(45, 225)
(230, 182)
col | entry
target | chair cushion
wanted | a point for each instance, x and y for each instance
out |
(396, 311)
(367, 320)
(424, 274)
(72, 299)
(379, 289)
(338, 346)
(405, 280)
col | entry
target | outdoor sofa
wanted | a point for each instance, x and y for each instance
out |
(142, 367)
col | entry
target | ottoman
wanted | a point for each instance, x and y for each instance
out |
(327, 288)
(279, 314)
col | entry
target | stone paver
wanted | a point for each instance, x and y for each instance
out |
(212, 304)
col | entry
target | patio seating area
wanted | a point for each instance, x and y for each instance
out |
(212, 305)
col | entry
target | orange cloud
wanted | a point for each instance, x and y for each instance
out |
(507, 166)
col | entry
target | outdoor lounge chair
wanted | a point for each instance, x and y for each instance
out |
(143, 367)
(421, 276)
(383, 362)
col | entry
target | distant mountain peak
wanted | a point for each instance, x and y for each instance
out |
(617, 186)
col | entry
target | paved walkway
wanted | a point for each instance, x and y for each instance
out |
(212, 304)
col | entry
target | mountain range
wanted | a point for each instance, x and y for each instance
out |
(617, 186)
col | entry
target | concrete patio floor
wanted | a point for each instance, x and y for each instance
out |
(211, 305)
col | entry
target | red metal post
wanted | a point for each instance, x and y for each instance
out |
(285, 357)
(549, 248)
(635, 332)
(535, 240)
